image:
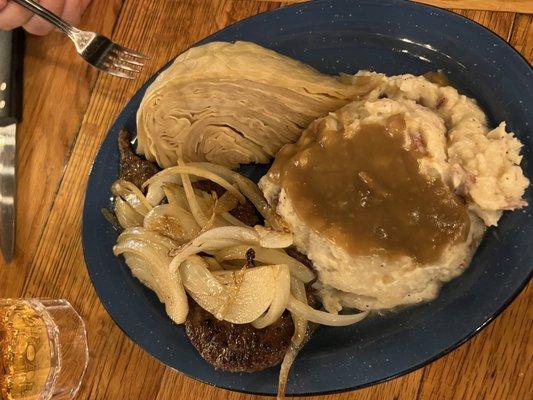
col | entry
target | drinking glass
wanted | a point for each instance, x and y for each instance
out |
(43, 350)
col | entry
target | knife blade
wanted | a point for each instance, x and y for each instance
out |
(11, 54)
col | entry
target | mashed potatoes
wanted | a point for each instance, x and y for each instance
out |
(455, 146)
(483, 164)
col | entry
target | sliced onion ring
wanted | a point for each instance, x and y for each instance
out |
(281, 297)
(321, 317)
(298, 338)
(194, 206)
(227, 236)
(126, 215)
(160, 177)
(132, 195)
(268, 256)
(237, 301)
(169, 288)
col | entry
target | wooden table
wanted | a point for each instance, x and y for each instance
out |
(68, 108)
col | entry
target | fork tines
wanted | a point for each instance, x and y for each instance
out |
(124, 62)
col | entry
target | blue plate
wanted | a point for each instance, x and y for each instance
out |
(394, 37)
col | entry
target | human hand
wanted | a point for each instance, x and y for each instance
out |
(12, 15)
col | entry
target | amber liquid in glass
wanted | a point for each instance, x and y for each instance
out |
(28, 364)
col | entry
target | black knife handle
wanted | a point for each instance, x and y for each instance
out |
(11, 54)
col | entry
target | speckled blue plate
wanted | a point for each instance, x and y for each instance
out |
(394, 37)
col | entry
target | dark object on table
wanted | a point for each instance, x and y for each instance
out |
(12, 53)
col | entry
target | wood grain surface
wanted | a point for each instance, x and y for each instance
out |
(68, 108)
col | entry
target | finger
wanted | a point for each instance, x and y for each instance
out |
(12, 16)
(39, 26)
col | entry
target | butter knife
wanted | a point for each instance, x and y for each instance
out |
(11, 54)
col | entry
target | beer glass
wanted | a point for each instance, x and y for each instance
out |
(43, 350)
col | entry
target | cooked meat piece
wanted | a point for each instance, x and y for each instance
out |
(244, 212)
(133, 168)
(227, 346)
(209, 187)
(237, 348)
(291, 251)
(232, 347)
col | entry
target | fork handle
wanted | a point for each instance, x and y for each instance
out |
(48, 15)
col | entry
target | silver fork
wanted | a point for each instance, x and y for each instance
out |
(96, 49)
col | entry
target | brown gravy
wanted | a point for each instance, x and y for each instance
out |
(437, 77)
(365, 193)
